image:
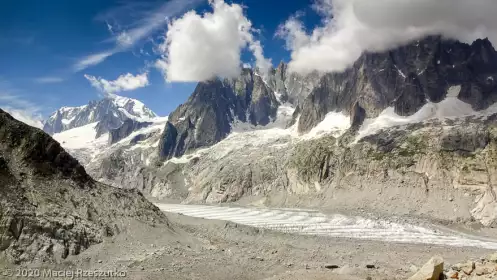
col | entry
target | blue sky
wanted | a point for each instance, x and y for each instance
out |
(44, 44)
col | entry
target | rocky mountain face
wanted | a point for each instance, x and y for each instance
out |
(292, 87)
(208, 115)
(128, 127)
(441, 170)
(49, 206)
(110, 112)
(430, 164)
(406, 78)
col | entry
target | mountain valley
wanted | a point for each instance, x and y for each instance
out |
(403, 139)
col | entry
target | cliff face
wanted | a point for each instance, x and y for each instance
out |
(435, 161)
(441, 170)
(49, 206)
(406, 79)
(208, 115)
(128, 127)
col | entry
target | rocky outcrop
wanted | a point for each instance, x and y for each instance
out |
(479, 269)
(128, 127)
(111, 112)
(108, 123)
(406, 78)
(441, 170)
(292, 87)
(208, 115)
(432, 270)
(203, 121)
(49, 206)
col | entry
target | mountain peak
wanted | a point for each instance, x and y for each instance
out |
(119, 107)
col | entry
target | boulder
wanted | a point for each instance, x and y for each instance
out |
(432, 270)
(493, 257)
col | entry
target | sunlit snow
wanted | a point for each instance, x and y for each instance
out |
(334, 123)
(450, 107)
(81, 141)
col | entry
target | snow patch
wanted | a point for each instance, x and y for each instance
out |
(400, 72)
(157, 125)
(284, 115)
(334, 123)
(450, 107)
(68, 121)
(81, 143)
(453, 91)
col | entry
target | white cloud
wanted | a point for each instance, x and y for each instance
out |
(126, 82)
(351, 27)
(293, 31)
(92, 60)
(124, 40)
(21, 109)
(49, 80)
(200, 47)
(25, 116)
(140, 31)
(261, 62)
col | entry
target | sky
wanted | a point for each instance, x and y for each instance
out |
(46, 49)
(59, 53)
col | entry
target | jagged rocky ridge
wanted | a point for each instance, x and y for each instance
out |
(438, 169)
(208, 115)
(406, 78)
(49, 206)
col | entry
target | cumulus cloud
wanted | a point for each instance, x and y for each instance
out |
(21, 109)
(200, 47)
(351, 27)
(293, 31)
(126, 82)
(25, 116)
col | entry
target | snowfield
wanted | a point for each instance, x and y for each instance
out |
(82, 143)
(309, 222)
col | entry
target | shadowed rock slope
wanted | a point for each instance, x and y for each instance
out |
(406, 78)
(49, 206)
(208, 115)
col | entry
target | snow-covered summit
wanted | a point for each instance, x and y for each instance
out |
(135, 108)
(110, 112)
